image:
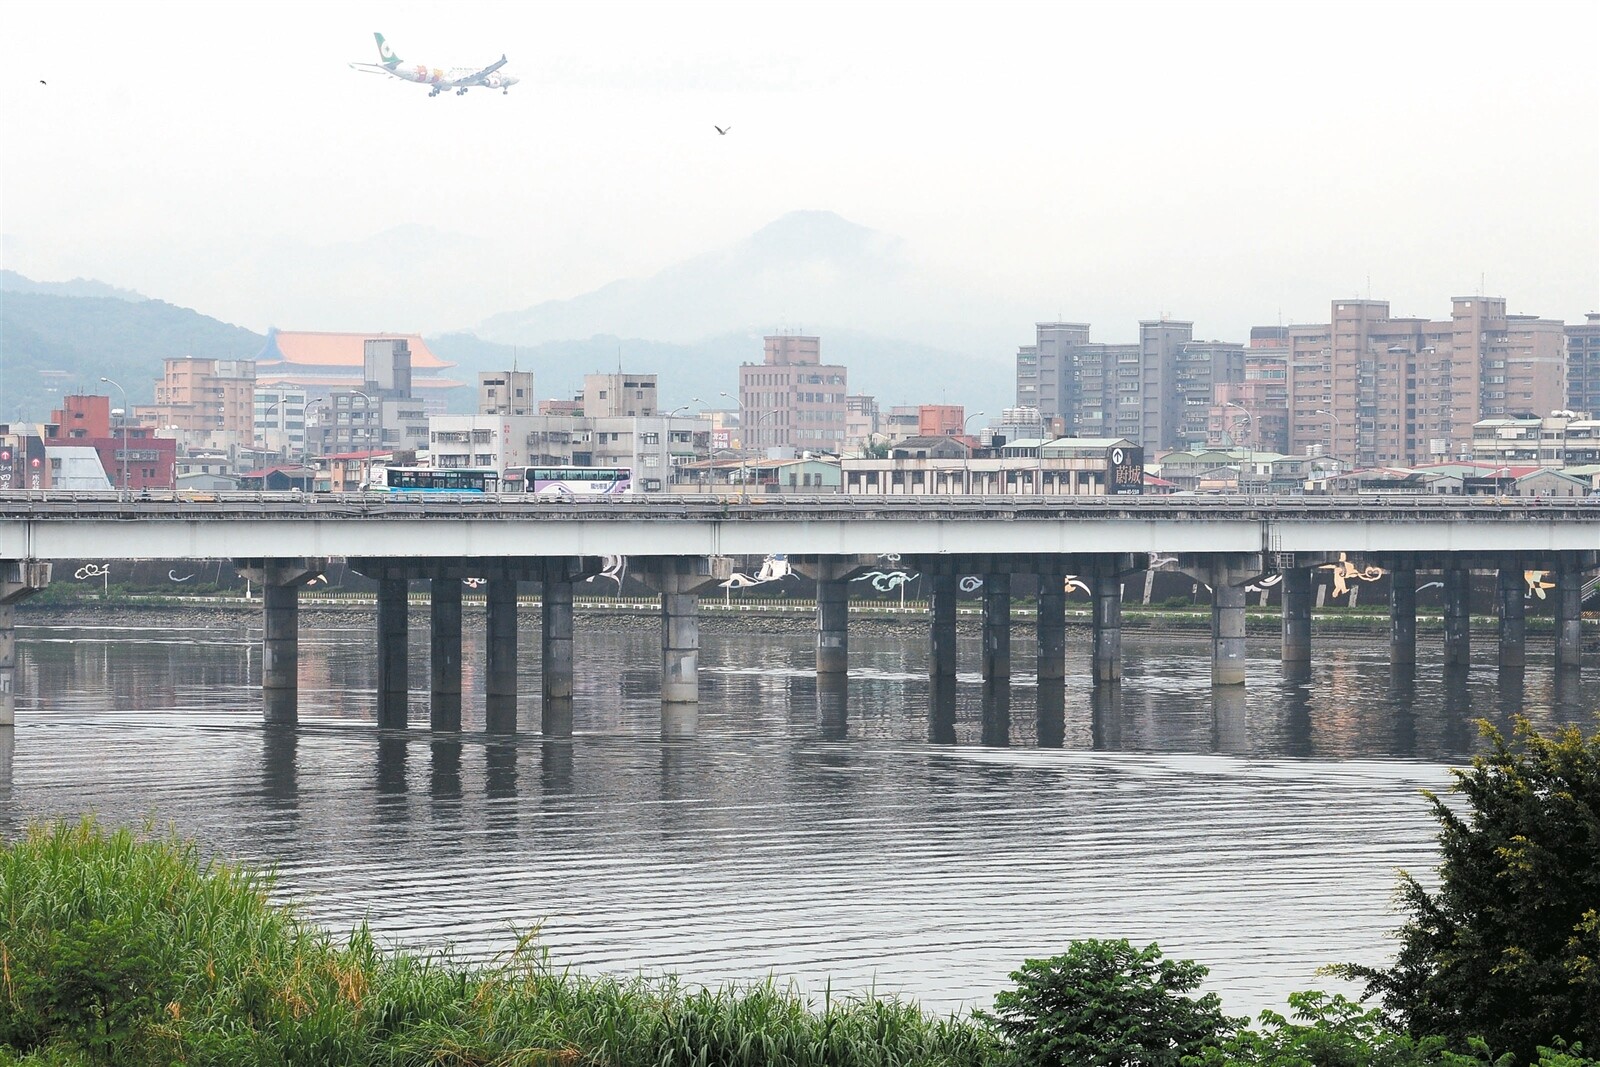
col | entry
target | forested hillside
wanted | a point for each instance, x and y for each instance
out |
(86, 337)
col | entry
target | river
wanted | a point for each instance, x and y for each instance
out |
(1256, 831)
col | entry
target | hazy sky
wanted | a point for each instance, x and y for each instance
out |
(1222, 162)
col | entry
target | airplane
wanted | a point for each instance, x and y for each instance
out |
(458, 78)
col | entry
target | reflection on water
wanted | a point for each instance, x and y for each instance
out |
(875, 830)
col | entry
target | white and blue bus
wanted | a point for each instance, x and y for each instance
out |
(431, 480)
(571, 481)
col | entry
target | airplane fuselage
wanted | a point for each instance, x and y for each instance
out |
(438, 79)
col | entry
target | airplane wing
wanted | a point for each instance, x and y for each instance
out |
(478, 78)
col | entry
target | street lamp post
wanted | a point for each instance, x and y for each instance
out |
(125, 413)
(366, 419)
(1338, 429)
(966, 460)
(1249, 415)
(305, 429)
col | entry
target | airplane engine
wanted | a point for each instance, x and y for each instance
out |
(494, 81)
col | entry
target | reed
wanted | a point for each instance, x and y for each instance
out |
(123, 947)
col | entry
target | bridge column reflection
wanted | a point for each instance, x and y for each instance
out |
(996, 659)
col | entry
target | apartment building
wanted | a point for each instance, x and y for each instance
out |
(204, 402)
(613, 396)
(506, 392)
(1377, 390)
(792, 399)
(941, 420)
(1583, 365)
(1158, 392)
(650, 446)
(1201, 369)
(860, 421)
(1047, 370)
(1254, 411)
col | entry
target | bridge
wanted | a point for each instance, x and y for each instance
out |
(681, 546)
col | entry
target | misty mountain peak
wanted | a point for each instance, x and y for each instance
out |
(817, 233)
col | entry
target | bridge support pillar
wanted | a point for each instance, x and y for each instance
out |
(997, 628)
(1296, 589)
(1403, 616)
(444, 661)
(680, 648)
(555, 652)
(1512, 615)
(833, 626)
(1227, 575)
(1227, 632)
(680, 581)
(500, 683)
(1457, 595)
(19, 580)
(1569, 616)
(1052, 629)
(280, 581)
(280, 653)
(8, 664)
(942, 644)
(394, 661)
(1107, 653)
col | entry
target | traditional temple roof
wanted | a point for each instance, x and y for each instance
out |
(304, 348)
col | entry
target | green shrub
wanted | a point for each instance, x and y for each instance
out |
(1508, 948)
(1107, 1004)
(1337, 1032)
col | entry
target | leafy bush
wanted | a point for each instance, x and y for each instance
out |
(1107, 1004)
(1509, 947)
(1337, 1032)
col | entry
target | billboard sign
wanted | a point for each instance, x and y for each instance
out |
(1125, 470)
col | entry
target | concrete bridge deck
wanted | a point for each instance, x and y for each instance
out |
(682, 546)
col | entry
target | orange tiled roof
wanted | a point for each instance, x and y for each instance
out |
(308, 349)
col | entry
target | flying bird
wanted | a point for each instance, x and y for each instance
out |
(722, 129)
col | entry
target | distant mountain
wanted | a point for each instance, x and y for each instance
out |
(12, 282)
(53, 345)
(906, 336)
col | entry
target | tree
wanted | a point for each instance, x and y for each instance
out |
(1107, 1004)
(1508, 948)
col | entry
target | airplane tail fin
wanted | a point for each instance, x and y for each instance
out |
(385, 53)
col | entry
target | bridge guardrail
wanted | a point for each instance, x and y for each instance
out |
(52, 504)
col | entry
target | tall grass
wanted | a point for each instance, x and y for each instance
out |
(119, 947)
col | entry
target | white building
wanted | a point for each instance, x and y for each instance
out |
(649, 446)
